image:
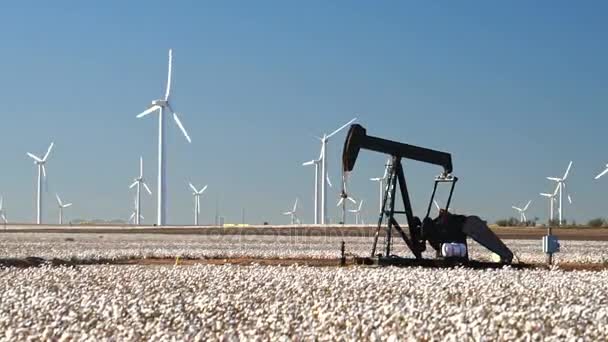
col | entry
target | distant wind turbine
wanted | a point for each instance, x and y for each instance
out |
(2, 210)
(522, 212)
(40, 163)
(381, 180)
(357, 212)
(552, 199)
(344, 196)
(438, 206)
(61, 207)
(197, 201)
(134, 213)
(293, 213)
(139, 183)
(162, 105)
(561, 184)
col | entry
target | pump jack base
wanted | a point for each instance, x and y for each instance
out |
(436, 263)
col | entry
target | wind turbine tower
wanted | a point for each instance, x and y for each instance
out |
(2, 210)
(163, 105)
(40, 163)
(316, 163)
(197, 201)
(139, 183)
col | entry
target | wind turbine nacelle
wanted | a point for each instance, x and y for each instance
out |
(161, 103)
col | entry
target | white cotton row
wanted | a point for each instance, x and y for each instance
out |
(163, 303)
(122, 246)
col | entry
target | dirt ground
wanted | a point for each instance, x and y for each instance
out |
(248, 261)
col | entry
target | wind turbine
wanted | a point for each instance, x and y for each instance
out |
(197, 201)
(561, 185)
(2, 211)
(293, 214)
(602, 173)
(357, 212)
(61, 207)
(324, 173)
(438, 206)
(381, 180)
(40, 162)
(316, 163)
(344, 195)
(133, 216)
(522, 212)
(162, 105)
(139, 182)
(551, 198)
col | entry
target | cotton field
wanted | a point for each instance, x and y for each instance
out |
(228, 302)
(125, 246)
(204, 302)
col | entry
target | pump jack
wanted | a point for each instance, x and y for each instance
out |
(443, 230)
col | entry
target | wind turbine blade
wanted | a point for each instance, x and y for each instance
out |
(554, 179)
(287, 213)
(142, 217)
(295, 206)
(193, 188)
(141, 167)
(556, 189)
(437, 205)
(351, 199)
(360, 205)
(147, 111)
(181, 127)
(132, 185)
(601, 174)
(203, 190)
(516, 208)
(569, 199)
(43, 172)
(34, 157)
(567, 171)
(67, 205)
(375, 179)
(546, 195)
(4, 218)
(58, 200)
(1, 202)
(132, 217)
(308, 163)
(48, 151)
(147, 189)
(329, 182)
(167, 91)
(341, 128)
(527, 205)
(340, 202)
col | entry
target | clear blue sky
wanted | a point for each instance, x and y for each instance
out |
(513, 90)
